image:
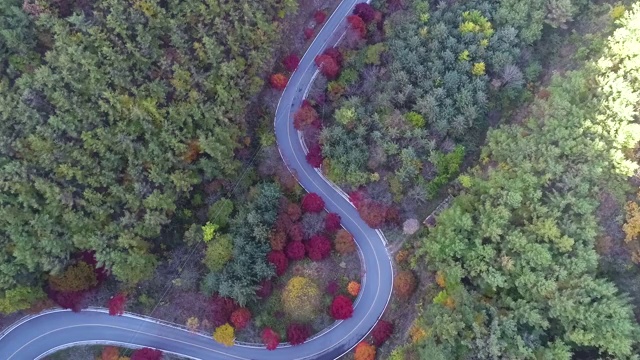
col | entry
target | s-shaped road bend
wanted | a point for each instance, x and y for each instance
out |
(38, 335)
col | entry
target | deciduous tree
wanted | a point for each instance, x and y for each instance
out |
(404, 284)
(381, 332)
(225, 335)
(344, 243)
(301, 298)
(295, 250)
(297, 333)
(146, 354)
(279, 260)
(270, 338)
(365, 351)
(291, 62)
(240, 318)
(318, 247)
(116, 304)
(278, 81)
(312, 202)
(341, 308)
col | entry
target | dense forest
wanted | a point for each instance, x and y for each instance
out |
(112, 112)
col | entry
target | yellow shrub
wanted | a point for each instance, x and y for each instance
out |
(225, 335)
(301, 298)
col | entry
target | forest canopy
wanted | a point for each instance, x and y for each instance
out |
(111, 112)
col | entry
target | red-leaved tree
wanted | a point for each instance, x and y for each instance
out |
(291, 62)
(240, 318)
(116, 304)
(358, 25)
(297, 333)
(277, 240)
(319, 16)
(318, 247)
(335, 55)
(308, 33)
(373, 213)
(279, 260)
(365, 11)
(328, 66)
(341, 308)
(146, 354)
(220, 310)
(270, 338)
(314, 156)
(305, 116)
(295, 250)
(279, 81)
(332, 222)
(312, 202)
(382, 332)
(356, 198)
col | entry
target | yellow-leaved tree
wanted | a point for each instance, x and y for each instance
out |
(224, 334)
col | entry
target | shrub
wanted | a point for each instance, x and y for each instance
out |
(318, 248)
(278, 240)
(278, 81)
(265, 289)
(294, 211)
(297, 333)
(404, 284)
(225, 335)
(240, 318)
(304, 117)
(341, 308)
(308, 33)
(291, 62)
(365, 11)
(328, 66)
(270, 338)
(373, 213)
(319, 16)
(344, 242)
(312, 224)
(357, 24)
(353, 288)
(365, 351)
(332, 222)
(295, 250)
(221, 309)
(116, 304)
(410, 226)
(381, 332)
(279, 261)
(110, 353)
(312, 202)
(314, 156)
(335, 54)
(301, 298)
(332, 288)
(218, 253)
(146, 354)
(296, 233)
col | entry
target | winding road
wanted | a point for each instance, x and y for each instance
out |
(39, 335)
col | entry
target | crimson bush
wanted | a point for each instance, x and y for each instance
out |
(297, 334)
(341, 308)
(312, 202)
(270, 338)
(318, 247)
(279, 260)
(332, 222)
(295, 250)
(382, 332)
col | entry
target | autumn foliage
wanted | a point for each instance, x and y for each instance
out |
(146, 354)
(332, 222)
(110, 353)
(278, 81)
(270, 338)
(240, 318)
(304, 117)
(404, 284)
(70, 288)
(365, 351)
(344, 243)
(318, 247)
(278, 239)
(297, 333)
(353, 288)
(291, 62)
(294, 211)
(382, 332)
(279, 260)
(295, 250)
(365, 11)
(319, 17)
(116, 304)
(296, 233)
(314, 156)
(308, 33)
(341, 308)
(372, 213)
(265, 289)
(300, 298)
(358, 25)
(225, 335)
(328, 66)
(221, 309)
(312, 202)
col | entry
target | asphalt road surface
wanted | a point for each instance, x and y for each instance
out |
(44, 333)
